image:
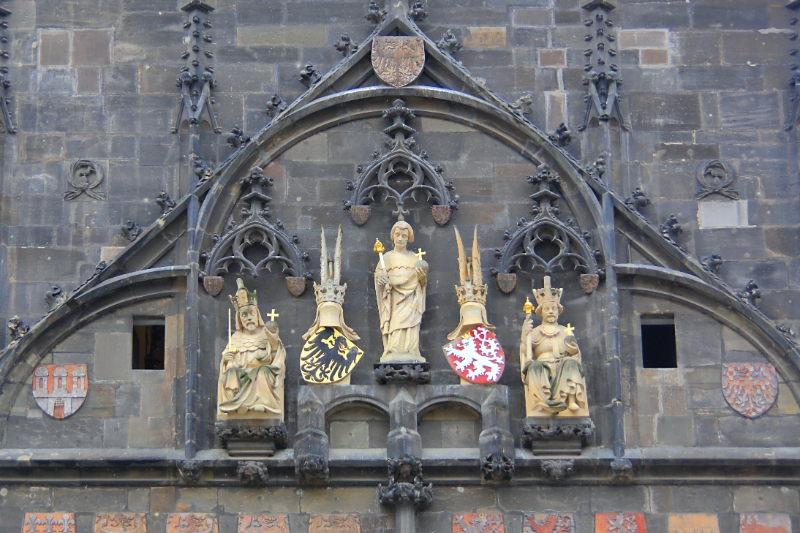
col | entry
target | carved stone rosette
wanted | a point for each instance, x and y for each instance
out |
(276, 247)
(400, 174)
(521, 251)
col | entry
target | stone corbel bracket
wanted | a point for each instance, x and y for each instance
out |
(376, 182)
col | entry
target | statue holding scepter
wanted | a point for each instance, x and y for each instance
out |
(401, 277)
(253, 365)
(550, 361)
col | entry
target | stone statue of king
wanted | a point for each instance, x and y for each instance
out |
(550, 361)
(253, 366)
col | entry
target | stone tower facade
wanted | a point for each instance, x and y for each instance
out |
(641, 155)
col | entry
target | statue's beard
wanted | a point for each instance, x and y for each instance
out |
(250, 326)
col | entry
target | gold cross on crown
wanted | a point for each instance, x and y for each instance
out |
(419, 254)
(273, 315)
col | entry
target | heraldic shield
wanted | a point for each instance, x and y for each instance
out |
(398, 60)
(328, 357)
(750, 388)
(477, 356)
(60, 390)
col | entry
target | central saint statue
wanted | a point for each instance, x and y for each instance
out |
(400, 281)
(253, 365)
(551, 361)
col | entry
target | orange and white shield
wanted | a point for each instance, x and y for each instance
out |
(398, 60)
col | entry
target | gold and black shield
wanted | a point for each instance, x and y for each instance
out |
(328, 356)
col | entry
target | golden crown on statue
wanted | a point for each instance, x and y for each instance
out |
(329, 291)
(547, 294)
(471, 293)
(243, 297)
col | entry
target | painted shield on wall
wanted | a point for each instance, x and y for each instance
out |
(328, 356)
(477, 356)
(398, 60)
(60, 390)
(750, 388)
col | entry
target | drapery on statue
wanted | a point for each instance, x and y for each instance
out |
(551, 361)
(253, 365)
(400, 281)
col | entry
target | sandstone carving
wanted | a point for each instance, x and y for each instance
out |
(253, 365)
(551, 361)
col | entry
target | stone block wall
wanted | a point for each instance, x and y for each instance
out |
(124, 408)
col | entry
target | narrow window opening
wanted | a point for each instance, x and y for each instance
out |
(659, 349)
(148, 344)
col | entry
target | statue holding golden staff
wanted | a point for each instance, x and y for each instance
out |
(400, 281)
(550, 361)
(253, 366)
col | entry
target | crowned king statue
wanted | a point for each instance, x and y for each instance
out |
(253, 366)
(550, 361)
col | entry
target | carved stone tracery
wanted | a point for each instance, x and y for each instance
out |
(256, 231)
(521, 251)
(400, 174)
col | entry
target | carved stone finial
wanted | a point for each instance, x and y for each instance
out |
(750, 293)
(275, 106)
(449, 43)
(346, 46)
(196, 78)
(601, 72)
(375, 13)
(200, 169)
(309, 75)
(131, 229)
(252, 473)
(671, 228)
(166, 203)
(637, 200)
(562, 136)
(237, 137)
(523, 105)
(54, 297)
(16, 328)
(417, 11)
(712, 263)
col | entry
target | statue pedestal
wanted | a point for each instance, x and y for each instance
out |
(556, 435)
(251, 438)
(411, 373)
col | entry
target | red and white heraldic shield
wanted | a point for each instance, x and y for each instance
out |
(477, 356)
(60, 390)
